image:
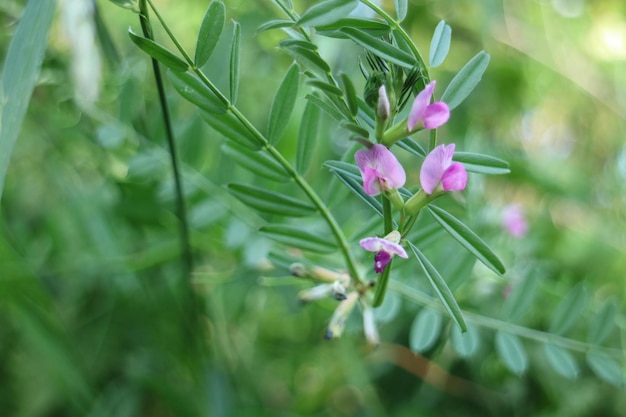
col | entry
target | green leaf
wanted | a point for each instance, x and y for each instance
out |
(521, 298)
(256, 162)
(606, 368)
(345, 172)
(323, 105)
(234, 62)
(561, 360)
(297, 237)
(283, 104)
(350, 93)
(271, 202)
(193, 90)
(210, 32)
(467, 238)
(425, 330)
(158, 52)
(401, 9)
(22, 65)
(275, 24)
(375, 28)
(466, 80)
(307, 58)
(356, 129)
(307, 136)
(440, 287)
(602, 323)
(380, 48)
(569, 310)
(288, 43)
(440, 44)
(126, 4)
(327, 12)
(325, 87)
(512, 352)
(413, 147)
(465, 344)
(482, 164)
(231, 128)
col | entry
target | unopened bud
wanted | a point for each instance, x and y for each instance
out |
(384, 108)
(369, 327)
(338, 320)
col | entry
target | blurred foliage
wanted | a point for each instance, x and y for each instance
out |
(95, 319)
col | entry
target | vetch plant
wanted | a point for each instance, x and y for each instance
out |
(383, 132)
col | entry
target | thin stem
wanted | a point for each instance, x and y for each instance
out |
(383, 280)
(169, 134)
(265, 145)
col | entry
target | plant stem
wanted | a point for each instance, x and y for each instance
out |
(169, 134)
(269, 148)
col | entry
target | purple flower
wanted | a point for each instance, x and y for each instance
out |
(438, 168)
(433, 115)
(380, 169)
(514, 221)
(385, 248)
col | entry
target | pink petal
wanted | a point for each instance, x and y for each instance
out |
(380, 169)
(454, 178)
(389, 167)
(434, 166)
(436, 115)
(394, 248)
(371, 244)
(419, 105)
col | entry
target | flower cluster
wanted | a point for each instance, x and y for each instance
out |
(382, 173)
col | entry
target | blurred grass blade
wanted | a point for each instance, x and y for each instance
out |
(21, 70)
(425, 330)
(467, 238)
(606, 368)
(602, 323)
(327, 12)
(380, 48)
(210, 32)
(465, 344)
(482, 164)
(440, 287)
(158, 52)
(401, 9)
(347, 175)
(521, 298)
(296, 237)
(561, 360)
(283, 104)
(193, 90)
(440, 44)
(271, 202)
(234, 63)
(307, 137)
(126, 4)
(569, 310)
(466, 80)
(512, 352)
(256, 162)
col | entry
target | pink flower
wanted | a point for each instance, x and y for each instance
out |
(385, 248)
(514, 221)
(380, 169)
(433, 115)
(438, 168)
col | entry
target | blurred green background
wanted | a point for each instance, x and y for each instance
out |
(93, 319)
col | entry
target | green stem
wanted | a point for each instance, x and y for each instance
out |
(265, 144)
(169, 134)
(383, 280)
